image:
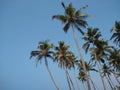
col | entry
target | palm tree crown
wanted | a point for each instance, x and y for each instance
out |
(116, 34)
(72, 17)
(114, 59)
(64, 56)
(43, 51)
(91, 37)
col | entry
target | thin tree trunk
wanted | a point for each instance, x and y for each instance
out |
(116, 78)
(71, 80)
(76, 81)
(84, 85)
(67, 78)
(46, 63)
(80, 54)
(93, 84)
(101, 75)
(109, 82)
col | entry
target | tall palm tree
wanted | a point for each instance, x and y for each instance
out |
(99, 54)
(116, 34)
(99, 48)
(44, 51)
(65, 59)
(75, 19)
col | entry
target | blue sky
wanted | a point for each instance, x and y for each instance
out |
(23, 23)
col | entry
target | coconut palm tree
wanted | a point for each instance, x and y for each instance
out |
(44, 51)
(82, 77)
(99, 48)
(75, 19)
(65, 59)
(91, 37)
(106, 72)
(89, 67)
(99, 54)
(114, 58)
(114, 61)
(116, 34)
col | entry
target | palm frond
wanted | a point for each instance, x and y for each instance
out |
(63, 5)
(86, 46)
(66, 27)
(81, 23)
(84, 7)
(62, 18)
(34, 53)
(79, 29)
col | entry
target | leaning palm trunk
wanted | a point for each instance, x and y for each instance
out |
(84, 85)
(109, 82)
(76, 81)
(67, 77)
(80, 54)
(93, 84)
(101, 75)
(116, 78)
(46, 63)
(71, 81)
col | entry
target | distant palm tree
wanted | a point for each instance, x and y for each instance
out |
(114, 61)
(99, 54)
(116, 34)
(65, 59)
(44, 52)
(91, 38)
(89, 67)
(75, 19)
(99, 48)
(82, 77)
(114, 58)
(106, 72)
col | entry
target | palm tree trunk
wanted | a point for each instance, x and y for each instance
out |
(46, 63)
(67, 77)
(101, 75)
(76, 81)
(84, 85)
(116, 78)
(80, 54)
(71, 81)
(93, 84)
(109, 82)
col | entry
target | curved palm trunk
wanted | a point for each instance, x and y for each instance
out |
(101, 76)
(67, 78)
(80, 54)
(46, 63)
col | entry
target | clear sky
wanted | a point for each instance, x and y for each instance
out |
(23, 23)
